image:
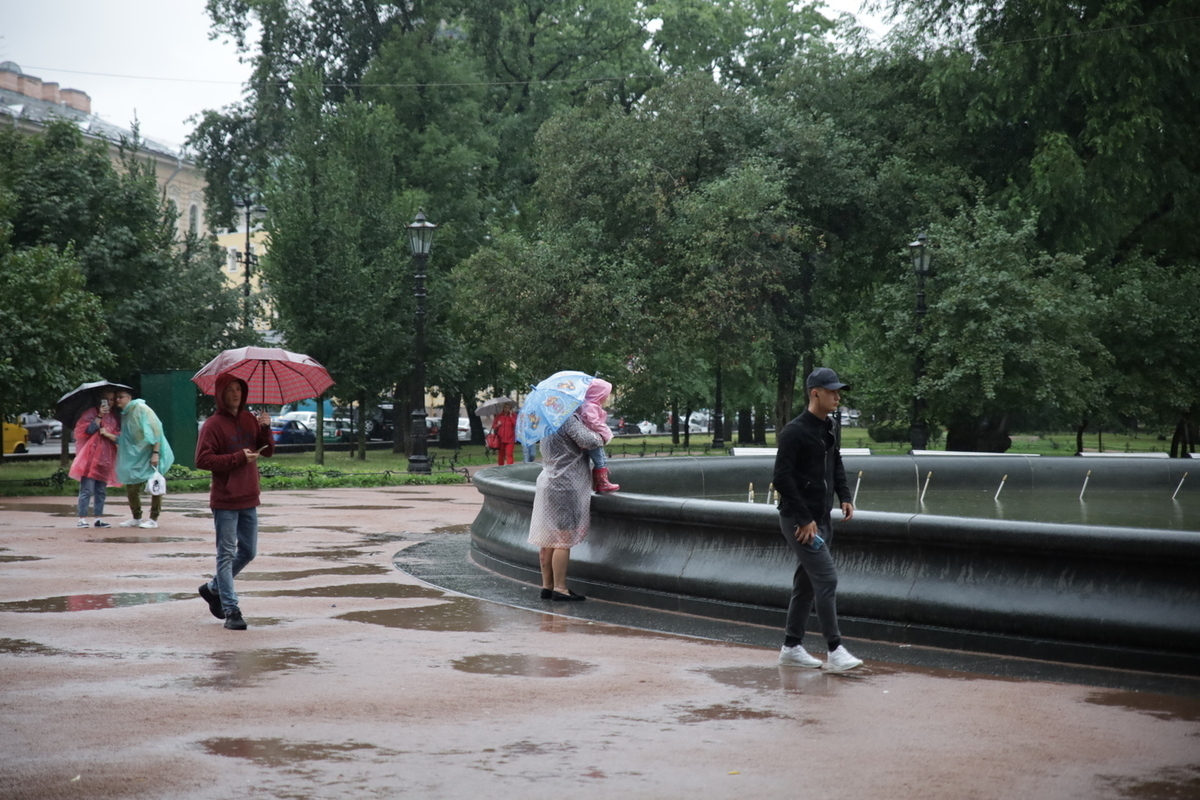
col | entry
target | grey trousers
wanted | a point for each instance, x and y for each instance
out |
(814, 582)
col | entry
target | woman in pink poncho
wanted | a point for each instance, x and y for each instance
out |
(95, 464)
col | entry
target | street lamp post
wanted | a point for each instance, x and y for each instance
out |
(922, 257)
(248, 259)
(420, 240)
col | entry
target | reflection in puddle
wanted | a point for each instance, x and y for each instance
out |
(360, 508)
(24, 647)
(773, 678)
(465, 528)
(143, 539)
(1161, 706)
(91, 602)
(12, 559)
(55, 509)
(351, 569)
(333, 553)
(1172, 782)
(241, 669)
(181, 555)
(523, 666)
(279, 753)
(461, 614)
(273, 528)
(726, 711)
(375, 591)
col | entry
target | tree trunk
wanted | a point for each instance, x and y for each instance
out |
(674, 422)
(400, 422)
(476, 426)
(978, 435)
(319, 443)
(745, 433)
(1079, 435)
(364, 425)
(448, 434)
(785, 389)
(687, 428)
(760, 424)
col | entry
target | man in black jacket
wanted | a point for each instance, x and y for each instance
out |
(808, 473)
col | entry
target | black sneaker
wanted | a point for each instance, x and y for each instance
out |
(214, 601)
(234, 621)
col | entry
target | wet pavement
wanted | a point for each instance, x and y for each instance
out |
(380, 663)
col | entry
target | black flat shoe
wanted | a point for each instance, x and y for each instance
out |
(546, 593)
(570, 596)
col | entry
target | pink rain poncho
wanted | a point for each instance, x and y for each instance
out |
(592, 411)
(95, 455)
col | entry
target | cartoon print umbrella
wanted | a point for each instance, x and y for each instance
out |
(272, 375)
(549, 404)
(81, 398)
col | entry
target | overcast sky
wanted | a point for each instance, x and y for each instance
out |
(152, 58)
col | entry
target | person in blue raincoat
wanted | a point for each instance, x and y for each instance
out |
(142, 449)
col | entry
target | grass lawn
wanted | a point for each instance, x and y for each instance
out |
(384, 468)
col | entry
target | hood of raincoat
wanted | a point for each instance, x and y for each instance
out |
(223, 380)
(592, 411)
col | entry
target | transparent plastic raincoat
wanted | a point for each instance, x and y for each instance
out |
(140, 431)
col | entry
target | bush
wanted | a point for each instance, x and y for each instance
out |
(888, 431)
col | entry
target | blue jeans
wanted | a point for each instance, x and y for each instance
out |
(599, 457)
(814, 584)
(237, 544)
(96, 491)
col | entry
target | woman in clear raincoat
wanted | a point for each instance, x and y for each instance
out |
(562, 503)
(142, 450)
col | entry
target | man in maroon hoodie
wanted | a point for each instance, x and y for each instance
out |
(230, 443)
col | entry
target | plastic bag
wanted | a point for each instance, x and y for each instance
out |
(157, 485)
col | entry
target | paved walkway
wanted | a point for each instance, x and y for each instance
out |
(356, 680)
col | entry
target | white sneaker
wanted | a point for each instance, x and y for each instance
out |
(83, 523)
(131, 523)
(152, 524)
(841, 660)
(798, 657)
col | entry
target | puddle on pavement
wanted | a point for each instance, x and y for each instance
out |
(14, 559)
(726, 711)
(465, 528)
(182, 555)
(199, 515)
(273, 528)
(54, 509)
(338, 528)
(349, 569)
(1172, 782)
(459, 615)
(279, 753)
(143, 539)
(773, 678)
(24, 647)
(242, 669)
(333, 553)
(360, 508)
(91, 602)
(522, 666)
(1166, 707)
(370, 591)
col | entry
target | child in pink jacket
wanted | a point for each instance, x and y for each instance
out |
(594, 417)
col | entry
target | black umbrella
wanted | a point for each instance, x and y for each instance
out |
(72, 404)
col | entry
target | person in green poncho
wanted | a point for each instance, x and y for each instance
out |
(142, 449)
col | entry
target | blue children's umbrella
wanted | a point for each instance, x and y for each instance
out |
(549, 404)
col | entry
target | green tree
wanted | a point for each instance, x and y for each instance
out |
(1009, 328)
(53, 327)
(338, 250)
(163, 302)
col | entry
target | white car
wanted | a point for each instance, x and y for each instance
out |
(646, 427)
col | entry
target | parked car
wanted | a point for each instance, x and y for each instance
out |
(292, 431)
(309, 418)
(464, 429)
(16, 439)
(38, 429)
(646, 427)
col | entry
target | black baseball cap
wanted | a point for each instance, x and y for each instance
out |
(824, 378)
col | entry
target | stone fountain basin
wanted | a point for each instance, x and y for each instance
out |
(1107, 595)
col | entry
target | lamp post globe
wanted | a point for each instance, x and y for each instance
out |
(922, 258)
(420, 240)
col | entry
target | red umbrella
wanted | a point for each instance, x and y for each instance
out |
(273, 375)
